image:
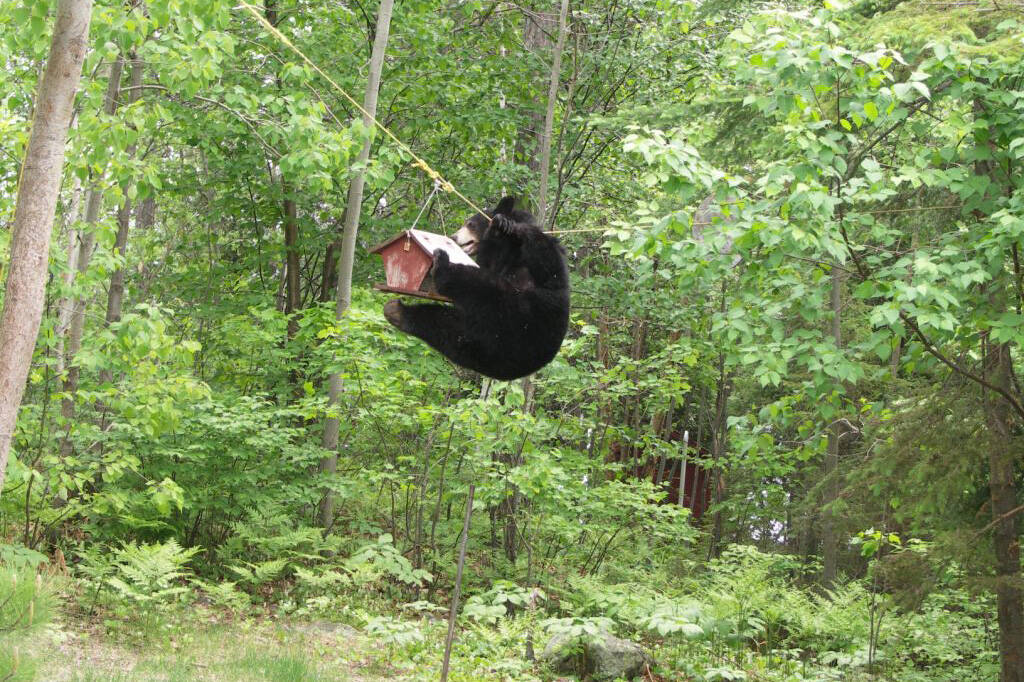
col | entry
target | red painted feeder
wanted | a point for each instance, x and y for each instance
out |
(407, 260)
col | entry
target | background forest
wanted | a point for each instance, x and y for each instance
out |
(782, 440)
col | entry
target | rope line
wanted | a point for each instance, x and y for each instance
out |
(437, 186)
(417, 161)
(876, 212)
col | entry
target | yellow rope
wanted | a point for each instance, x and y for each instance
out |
(417, 161)
(911, 209)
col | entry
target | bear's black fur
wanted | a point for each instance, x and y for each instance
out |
(509, 316)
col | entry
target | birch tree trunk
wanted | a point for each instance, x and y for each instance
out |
(353, 206)
(549, 117)
(65, 304)
(38, 189)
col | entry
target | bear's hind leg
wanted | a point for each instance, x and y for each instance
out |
(442, 327)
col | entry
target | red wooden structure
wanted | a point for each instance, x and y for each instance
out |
(681, 477)
(693, 482)
(407, 259)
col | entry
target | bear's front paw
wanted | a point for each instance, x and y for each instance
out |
(441, 262)
(393, 313)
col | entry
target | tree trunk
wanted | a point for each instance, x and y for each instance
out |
(327, 280)
(717, 449)
(682, 462)
(829, 539)
(38, 189)
(1006, 534)
(290, 214)
(549, 118)
(65, 304)
(145, 213)
(717, 452)
(536, 26)
(329, 465)
(115, 293)
(293, 295)
(661, 426)
(86, 241)
(1002, 482)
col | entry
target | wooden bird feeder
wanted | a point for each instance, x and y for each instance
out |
(407, 260)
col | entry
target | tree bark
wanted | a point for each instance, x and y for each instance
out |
(717, 448)
(717, 452)
(353, 206)
(1006, 534)
(829, 539)
(327, 280)
(86, 242)
(38, 189)
(145, 213)
(536, 27)
(290, 214)
(1002, 482)
(66, 303)
(549, 117)
(115, 293)
(293, 294)
(457, 588)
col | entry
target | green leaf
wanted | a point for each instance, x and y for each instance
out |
(903, 91)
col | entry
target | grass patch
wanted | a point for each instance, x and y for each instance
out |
(277, 668)
(243, 651)
(198, 645)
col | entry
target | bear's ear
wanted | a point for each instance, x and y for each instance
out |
(505, 206)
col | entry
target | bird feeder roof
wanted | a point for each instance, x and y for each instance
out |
(429, 243)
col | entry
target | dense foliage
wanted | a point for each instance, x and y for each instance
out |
(781, 441)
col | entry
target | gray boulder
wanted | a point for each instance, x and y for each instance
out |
(602, 658)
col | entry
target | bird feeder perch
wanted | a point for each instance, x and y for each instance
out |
(407, 259)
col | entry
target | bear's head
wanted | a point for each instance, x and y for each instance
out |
(475, 228)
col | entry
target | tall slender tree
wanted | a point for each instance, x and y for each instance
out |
(115, 292)
(36, 205)
(86, 243)
(549, 116)
(348, 246)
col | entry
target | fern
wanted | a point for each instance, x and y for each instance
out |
(150, 574)
(260, 573)
(225, 595)
(312, 583)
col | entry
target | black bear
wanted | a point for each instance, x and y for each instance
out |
(509, 315)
